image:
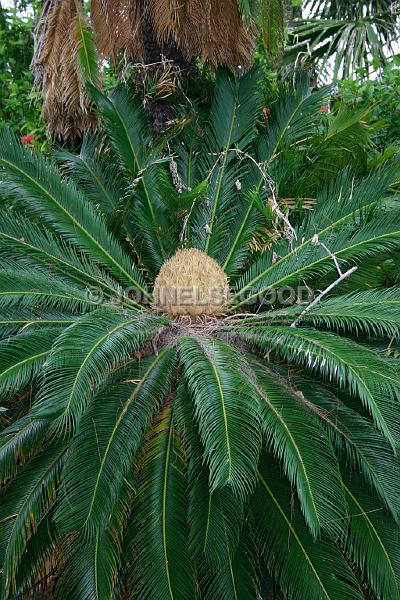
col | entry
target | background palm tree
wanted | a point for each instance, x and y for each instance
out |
(163, 37)
(339, 38)
(146, 455)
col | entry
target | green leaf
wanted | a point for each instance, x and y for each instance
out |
(24, 501)
(373, 541)
(364, 373)
(106, 443)
(83, 358)
(226, 410)
(87, 53)
(22, 358)
(37, 183)
(313, 470)
(162, 568)
(302, 567)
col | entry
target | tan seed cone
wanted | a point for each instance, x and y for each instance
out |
(191, 283)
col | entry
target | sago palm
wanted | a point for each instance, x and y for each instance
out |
(183, 440)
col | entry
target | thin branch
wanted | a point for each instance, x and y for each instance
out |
(318, 299)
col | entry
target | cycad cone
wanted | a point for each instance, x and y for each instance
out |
(191, 283)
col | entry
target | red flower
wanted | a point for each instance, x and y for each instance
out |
(27, 139)
(325, 108)
(266, 113)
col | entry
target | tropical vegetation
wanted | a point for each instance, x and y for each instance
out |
(243, 455)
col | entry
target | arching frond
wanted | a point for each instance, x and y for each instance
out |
(22, 358)
(163, 567)
(21, 240)
(362, 372)
(128, 132)
(31, 179)
(214, 519)
(83, 358)
(232, 126)
(331, 225)
(374, 312)
(373, 541)
(357, 441)
(313, 470)
(303, 568)
(25, 499)
(111, 433)
(18, 442)
(226, 409)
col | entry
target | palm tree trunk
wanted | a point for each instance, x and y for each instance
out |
(155, 57)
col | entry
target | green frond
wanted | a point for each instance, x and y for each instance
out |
(18, 442)
(238, 579)
(373, 312)
(31, 179)
(362, 372)
(232, 119)
(34, 289)
(226, 410)
(343, 227)
(87, 53)
(246, 220)
(110, 434)
(22, 319)
(363, 449)
(294, 118)
(24, 501)
(214, 519)
(21, 240)
(373, 540)
(39, 557)
(100, 176)
(302, 567)
(90, 567)
(128, 131)
(22, 358)
(312, 469)
(84, 357)
(162, 568)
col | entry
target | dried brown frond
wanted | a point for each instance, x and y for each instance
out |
(66, 106)
(118, 27)
(211, 29)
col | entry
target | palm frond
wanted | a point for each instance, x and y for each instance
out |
(302, 567)
(18, 442)
(231, 126)
(331, 225)
(34, 181)
(373, 541)
(162, 568)
(22, 358)
(313, 470)
(215, 519)
(33, 289)
(21, 240)
(27, 497)
(362, 372)
(111, 433)
(128, 131)
(83, 358)
(87, 53)
(361, 446)
(226, 409)
(374, 312)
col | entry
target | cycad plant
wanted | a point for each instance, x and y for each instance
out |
(189, 439)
